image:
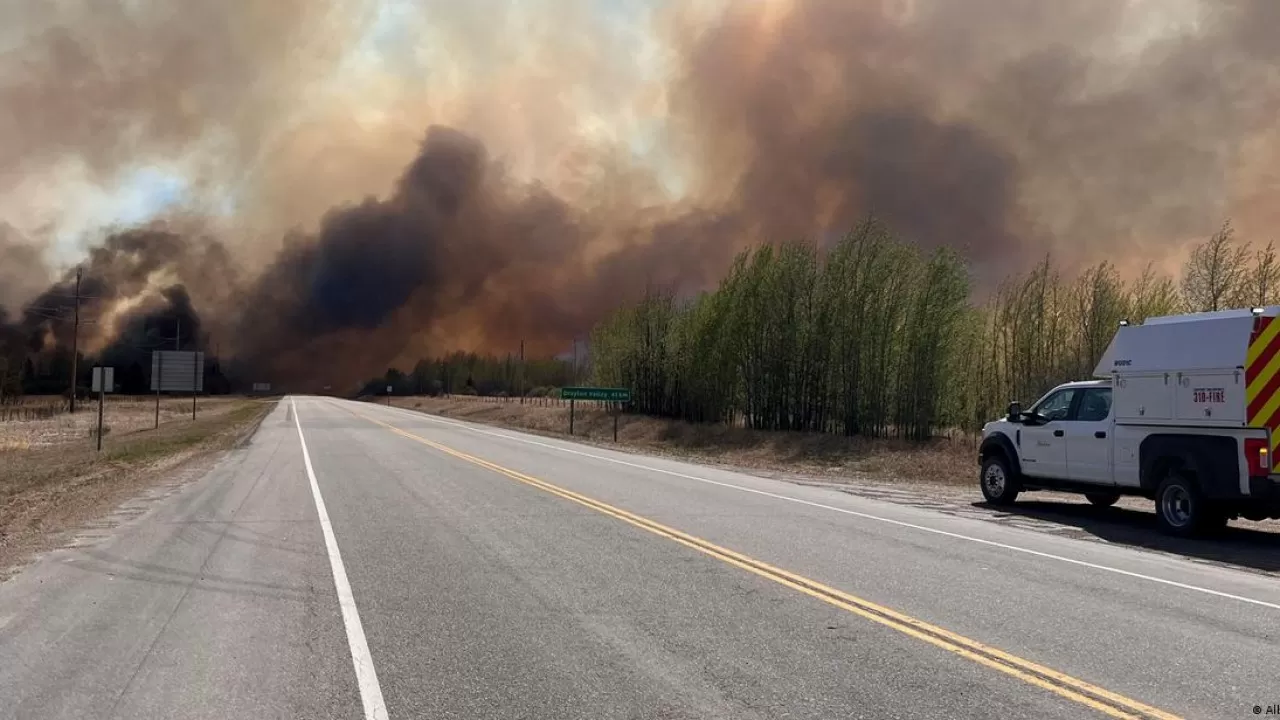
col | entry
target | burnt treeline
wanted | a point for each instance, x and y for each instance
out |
(872, 337)
(49, 372)
(461, 373)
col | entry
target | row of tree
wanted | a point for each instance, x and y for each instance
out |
(872, 337)
(868, 337)
(461, 373)
(49, 373)
(854, 340)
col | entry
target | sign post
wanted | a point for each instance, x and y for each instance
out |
(103, 383)
(195, 383)
(609, 395)
(185, 374)
(159, 375)
(389, 396)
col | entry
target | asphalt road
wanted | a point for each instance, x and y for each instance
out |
(407, 566)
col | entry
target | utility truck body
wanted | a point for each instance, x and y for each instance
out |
(1185, 410)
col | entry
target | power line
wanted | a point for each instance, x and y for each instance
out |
(70, 295)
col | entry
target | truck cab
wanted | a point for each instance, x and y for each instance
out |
(1184, 410)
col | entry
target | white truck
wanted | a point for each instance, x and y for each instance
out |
(1185, 412)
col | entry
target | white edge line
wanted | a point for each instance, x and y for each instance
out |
(366, 676)
(855, 513)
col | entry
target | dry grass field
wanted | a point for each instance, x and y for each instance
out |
(121, 415)
(943, 461)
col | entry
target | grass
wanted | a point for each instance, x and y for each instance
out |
(150, 447)
(52, 488)
(828, 457)
(121, 414)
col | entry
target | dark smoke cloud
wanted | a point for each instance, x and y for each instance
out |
(1003, 127)
(170, 322)
(131, 271)
(1006, 128)
(455, 238)
(22, 269)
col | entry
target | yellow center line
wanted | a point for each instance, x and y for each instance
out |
(1093, 696)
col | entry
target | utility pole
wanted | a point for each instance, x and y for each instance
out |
(159, 380)
(75, 343)
(521, 383)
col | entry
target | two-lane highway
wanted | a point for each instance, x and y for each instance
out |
(408, 566)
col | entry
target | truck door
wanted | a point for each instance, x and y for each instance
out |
(1043, 448)
(1089, 440)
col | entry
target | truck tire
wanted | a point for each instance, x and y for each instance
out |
(1102, 499)
(1181, 509)
(999, 486)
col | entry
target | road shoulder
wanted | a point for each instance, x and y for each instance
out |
(1250, 546)
(70, 495)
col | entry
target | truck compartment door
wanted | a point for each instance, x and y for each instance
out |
(1144, 398)
(1210, 397)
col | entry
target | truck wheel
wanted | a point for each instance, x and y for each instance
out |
(999, 486)
(1180, 508)
(1100, 499)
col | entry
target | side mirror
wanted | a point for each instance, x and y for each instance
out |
(1015, 411)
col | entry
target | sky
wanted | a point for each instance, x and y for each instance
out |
(537, 80)
(386, 178)
(414, 49)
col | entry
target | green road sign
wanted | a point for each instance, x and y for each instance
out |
(595, 393)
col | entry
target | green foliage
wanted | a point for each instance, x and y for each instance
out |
(857, 340)
(869, 337)
(1153, 295)
(872, 338)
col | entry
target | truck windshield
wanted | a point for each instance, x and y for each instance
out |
(1056, 406)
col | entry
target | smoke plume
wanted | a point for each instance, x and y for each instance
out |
(371, 181)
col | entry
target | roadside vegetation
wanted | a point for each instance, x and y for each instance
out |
(874, 338)
(870, 337)
(814, 456)
(53, 480)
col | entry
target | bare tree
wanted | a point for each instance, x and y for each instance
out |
(9, 382)
(1217, 274)
(1264, 278)
(1100, 303)
(1153, 295)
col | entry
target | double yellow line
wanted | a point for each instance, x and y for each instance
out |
(1071, 688)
